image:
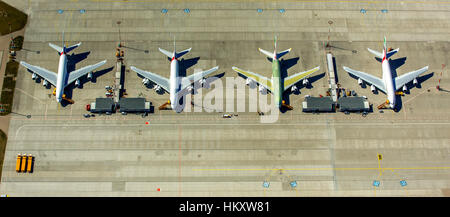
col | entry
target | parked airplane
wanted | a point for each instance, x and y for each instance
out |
(175, 83)
(387, 84)
(276, 85)
(63, 78)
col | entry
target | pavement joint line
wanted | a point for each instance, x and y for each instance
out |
(321, 169)
(298, 1)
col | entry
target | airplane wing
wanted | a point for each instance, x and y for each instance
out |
(267, 83)
(83, 71)
(405, 78)
(377, 82)
(293, 79)
(44, 73)
(157, 79)
(196, 77)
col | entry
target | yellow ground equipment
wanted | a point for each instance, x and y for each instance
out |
(399, 93)
(18, 163)
(164, 106)
(385, 105)
(64, 97)
(30, 164)
(23, 166)
(283, 103)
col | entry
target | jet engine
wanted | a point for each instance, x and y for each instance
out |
(415, 82)
(405, 88)
(202, 82)
(77, 83)
(305, 82)
(294, 88)
(372, 88)
(190, 88)
(45, 83)
(360, 81)
(261, 89)
(33, 76)
(145, 81)
(248, 81)
(89, 76)
(157, 88)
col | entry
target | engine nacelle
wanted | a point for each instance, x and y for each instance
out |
(202, 82)
(360, 82)
(190, 88)
(261, 89)
(157, 88)
(145, 81)
(77, 83)
(405, 88)
(305, 82)
(372, 88)
(45, 83)
(34, 76)
(415, 82)
(248, 81)
(89, 76)
(294, 88)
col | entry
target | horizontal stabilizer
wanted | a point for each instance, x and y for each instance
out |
(56, 47)
(167, 53)
(282, 53)
(68, 49)
(267, 53)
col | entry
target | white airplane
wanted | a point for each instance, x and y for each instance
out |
(387, 84)
(175, 83)
(63, 78)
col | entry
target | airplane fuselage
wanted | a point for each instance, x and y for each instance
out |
(277, 83)
(388, 81)
(175, 82)
(62, 73)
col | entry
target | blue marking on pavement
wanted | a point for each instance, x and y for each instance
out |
(293, 184)
(60, 11)
(376, 183)
(384, 11)
(82, 11)
(259, 10)
(363, 11)
(403, 183)
(164, 11)
(266, 184)
(187, 10)
(282, 10)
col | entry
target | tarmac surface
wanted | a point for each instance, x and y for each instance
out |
(203, 154)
